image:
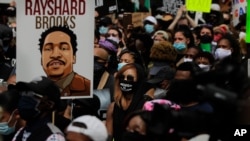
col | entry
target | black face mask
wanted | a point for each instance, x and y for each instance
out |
(98, 67)
(127, 87)
(206, 39)
(28, 107)
(134, 136)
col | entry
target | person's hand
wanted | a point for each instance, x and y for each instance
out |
(184, 10)
(179, 12)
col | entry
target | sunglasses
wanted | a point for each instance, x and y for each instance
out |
(112, 34)
(128, 77)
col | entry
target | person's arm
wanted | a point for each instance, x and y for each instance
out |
(176, 19)
(109, 121)
(150, 93)
(191, 21)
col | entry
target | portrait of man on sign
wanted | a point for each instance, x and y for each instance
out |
(58, 47)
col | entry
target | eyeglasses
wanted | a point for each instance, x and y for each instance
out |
(112, 34)
(128, 77)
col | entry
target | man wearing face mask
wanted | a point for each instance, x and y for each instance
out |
(161, 81)
(10, 122)
(150, 25)
(38, 105)
(205, 60)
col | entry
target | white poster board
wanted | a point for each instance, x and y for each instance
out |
(238, 9)
(36, 16)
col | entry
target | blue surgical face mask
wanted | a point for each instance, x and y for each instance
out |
(180, 46)
(4, 127)
(120, 65)
(149, 28)
(103, 30)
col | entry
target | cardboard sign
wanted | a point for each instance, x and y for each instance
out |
(63, 54)
(238, 8)
(135, 18)
(199, 5)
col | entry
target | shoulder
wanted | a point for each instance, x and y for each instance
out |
(80, 78)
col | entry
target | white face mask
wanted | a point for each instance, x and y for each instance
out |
(204, 67)
(160, 93)
(188, 59)
(115, 39)
(221, 53)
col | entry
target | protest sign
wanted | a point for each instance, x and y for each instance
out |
(172, 6)
(248, 24)
(105, 7)
(135, 18)
(64, 55)
(238, 9)
(198, 5)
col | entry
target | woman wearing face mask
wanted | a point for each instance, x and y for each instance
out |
(183, 39)
(116, 34)
(131, 91)
(228, 46)
(129, 56)
(10, 121)
(206, 38)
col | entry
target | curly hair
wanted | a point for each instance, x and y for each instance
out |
(64, 29)
(163, 51)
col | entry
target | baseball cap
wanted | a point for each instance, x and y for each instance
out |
(163, 73)
(92, 127)
(151, 19)
(43, 86)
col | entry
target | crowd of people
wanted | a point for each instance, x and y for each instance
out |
(168, 79)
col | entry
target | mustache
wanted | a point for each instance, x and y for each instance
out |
(54, 61)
